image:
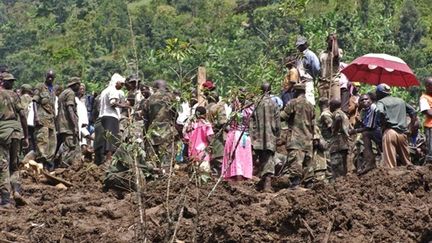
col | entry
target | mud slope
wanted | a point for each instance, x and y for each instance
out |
(382, 206)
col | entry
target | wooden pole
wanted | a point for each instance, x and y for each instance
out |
(201, 79)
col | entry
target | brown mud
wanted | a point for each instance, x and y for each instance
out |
(381, 206)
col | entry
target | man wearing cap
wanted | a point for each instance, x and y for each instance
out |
(11, 133)
(159, 116)
(133, 98)
(26, 96)
(68, 124)
(265, 129)
(308, 67)
(300, 115)
(392, 113)
(111, 103)
(44, 100)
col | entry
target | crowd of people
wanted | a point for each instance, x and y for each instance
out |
(266, 135)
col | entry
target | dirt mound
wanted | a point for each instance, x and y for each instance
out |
(381, 206)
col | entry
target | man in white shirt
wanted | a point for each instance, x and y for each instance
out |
(110, 105)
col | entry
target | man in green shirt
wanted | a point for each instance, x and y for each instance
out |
(340, 140)
(13, 128)
(300, 115)
(265, 129)
(44, 121)
(392, 112)
(68, 124)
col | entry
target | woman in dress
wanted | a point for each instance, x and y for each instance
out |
(237, 159)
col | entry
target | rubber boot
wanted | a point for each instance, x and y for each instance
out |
(5, 199)
(19, 200)
(295, 181)
(48, 166)
(267, 184)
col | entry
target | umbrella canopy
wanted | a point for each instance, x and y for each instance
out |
(381, 68)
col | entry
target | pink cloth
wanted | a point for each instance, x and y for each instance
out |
(241, 156)
(198, 140)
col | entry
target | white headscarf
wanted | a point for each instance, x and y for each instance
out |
(111, 86)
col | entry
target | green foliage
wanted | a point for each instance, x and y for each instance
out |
(240, 42)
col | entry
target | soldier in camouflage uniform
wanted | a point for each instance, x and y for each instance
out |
(299, 114)
(323, 132)
(68, 124)
(264, 130)
(321, 157)
(216, 115)
(26, 97)
(159, 119)
(44, 120)
(11, 133)
(340, 140)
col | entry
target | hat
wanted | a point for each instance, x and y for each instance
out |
(289, 60)
(8, 76)
(26, 87)
(299, 87)
(73, 80)
(200, 110)
(323, 100)
(383, 88)
(301, 40)
(118, 78)
(133, 78)
(208, 85)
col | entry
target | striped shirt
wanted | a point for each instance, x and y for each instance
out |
(369, 117)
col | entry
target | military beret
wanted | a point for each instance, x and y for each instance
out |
(73, 80)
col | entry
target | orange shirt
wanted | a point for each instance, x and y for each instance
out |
(291, 78)
(426, 104)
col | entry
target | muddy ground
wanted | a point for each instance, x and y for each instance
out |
(381, 206)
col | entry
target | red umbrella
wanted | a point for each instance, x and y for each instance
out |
(380, 68)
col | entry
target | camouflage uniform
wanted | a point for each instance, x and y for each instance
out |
(26, 99)
(159, 119)
(69, 139)
(321, 153)
(10, 138)
(265, 129)
(216, 115)
(339, 143)
(45, 132)
(321, 157)
(300, 116)
(120, 174)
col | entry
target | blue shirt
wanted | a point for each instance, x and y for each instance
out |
(311, 63)
(278, 101)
